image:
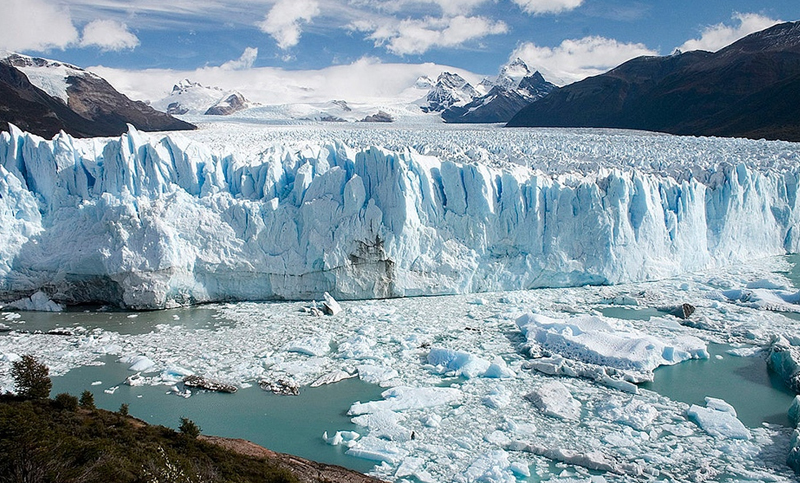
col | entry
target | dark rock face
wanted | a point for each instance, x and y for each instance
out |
(380, 116)
(749, 89)
(176, 109)
(94, 108)
(227, 106)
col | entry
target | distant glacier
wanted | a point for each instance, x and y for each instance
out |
(153, 221)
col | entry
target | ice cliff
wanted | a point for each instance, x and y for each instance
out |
(149, 222)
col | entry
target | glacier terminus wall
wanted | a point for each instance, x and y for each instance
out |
(146, 222)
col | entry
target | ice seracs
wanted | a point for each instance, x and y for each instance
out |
(151, 222)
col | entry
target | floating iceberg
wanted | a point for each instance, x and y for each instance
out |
(604, 342)
(718, 419)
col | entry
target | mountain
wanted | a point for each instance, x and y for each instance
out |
(515, 88)
(448, 91)
(189, 97)
(749, 89)
(44, 97)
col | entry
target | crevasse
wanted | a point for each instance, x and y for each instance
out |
(151, 222)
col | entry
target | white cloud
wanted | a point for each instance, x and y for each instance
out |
(35, 25)
(283, 20)
(108, 35)
(576, 59)
(715, 37)
(246, 61)
(538, 7)
(417, 36)
(365, 81)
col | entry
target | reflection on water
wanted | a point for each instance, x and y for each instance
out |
(288, 424)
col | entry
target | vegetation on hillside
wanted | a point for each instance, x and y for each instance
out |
(65, 441)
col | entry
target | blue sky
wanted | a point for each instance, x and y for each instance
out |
(568, 39)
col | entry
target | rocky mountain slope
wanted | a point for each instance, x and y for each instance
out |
(44, 97)
(749, 89)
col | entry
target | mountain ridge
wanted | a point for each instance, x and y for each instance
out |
(731, 92)
(72, 100)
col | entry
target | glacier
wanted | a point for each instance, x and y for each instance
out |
(153, 221)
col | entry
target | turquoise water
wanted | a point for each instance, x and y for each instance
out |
(758, 395)
(126, 323)
(632, 313)
(288, 424)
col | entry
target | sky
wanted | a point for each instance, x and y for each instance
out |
(145, 46)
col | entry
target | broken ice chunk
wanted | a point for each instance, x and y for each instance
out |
(373, 374)
(332, 377)
(718, 423)
(602, 341)
(497, 398)
(413, 468)
(312, 346)
(403, 397)
(138, 363)
(376, 449)
(491, 467)
(499, 369)
(38, 302)
(330, 306)
(635, 413)
(554, 399)
(461, 363)
(384, 425)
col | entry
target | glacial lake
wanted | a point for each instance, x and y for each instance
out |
(287, 424)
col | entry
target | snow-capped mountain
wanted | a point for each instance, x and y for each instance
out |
(449, 90)
(514, 88)
(189, 97)
(46, 96)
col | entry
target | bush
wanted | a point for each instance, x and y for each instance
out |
(31, 378)
(189, 428)
(123, 409)
(67, 402)
(87, 400)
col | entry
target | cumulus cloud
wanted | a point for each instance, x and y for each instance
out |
(108, 35)
(284, 19)
(576, 59)
(538, 7)
(35, 25)
(715, 37)
(246, 61)
(417, 36)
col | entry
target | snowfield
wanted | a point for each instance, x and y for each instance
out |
(255, 212)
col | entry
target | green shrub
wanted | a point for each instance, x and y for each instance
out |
(67, 402)
(87, 400)
(31, 378)
(123, 409)
(189, 428)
